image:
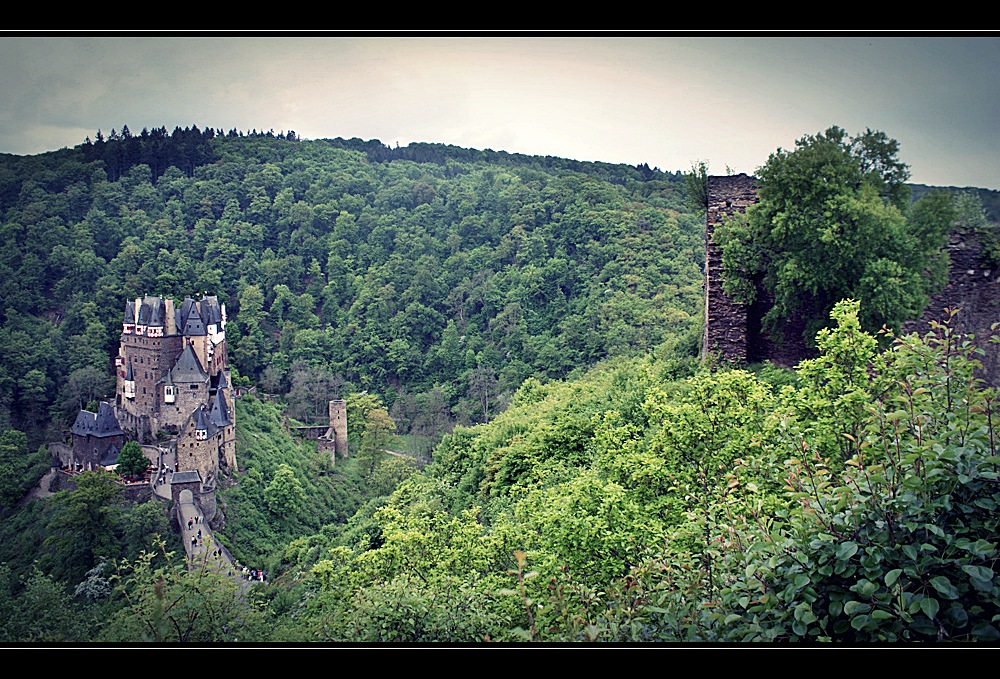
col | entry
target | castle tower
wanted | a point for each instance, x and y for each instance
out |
(725, 320)
(338, 426)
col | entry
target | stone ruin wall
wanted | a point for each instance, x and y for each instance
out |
(733, 331)
(974, 290)
(725, 335)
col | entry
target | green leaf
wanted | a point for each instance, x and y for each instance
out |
(854, 607)
(803, 613)
(892, 576)
(860, 622)
(845, 550)
(985, 632)
(957, 615)
(979, 572)
(864, 588)
(929, 606)
(944, 587)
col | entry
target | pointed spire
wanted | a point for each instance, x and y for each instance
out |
(220, 411)
(200, 424)
(193, 324)
(106, 422)
(188, 367)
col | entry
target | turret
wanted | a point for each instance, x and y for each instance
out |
(128, 324)
(154, 327)
(200, 425)
(128, 386)
(169, 390)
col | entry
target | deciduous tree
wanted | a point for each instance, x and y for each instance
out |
(833, 222)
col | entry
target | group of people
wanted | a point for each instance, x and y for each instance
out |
(252, 574)
(164, 469)
(196, 540)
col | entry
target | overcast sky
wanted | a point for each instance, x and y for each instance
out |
(663, 100)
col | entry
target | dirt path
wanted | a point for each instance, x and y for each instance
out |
(42, 489)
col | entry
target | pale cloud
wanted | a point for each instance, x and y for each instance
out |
(666, 101)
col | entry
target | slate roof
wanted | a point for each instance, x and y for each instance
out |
(145, 311)
(189, 319)
(188, 367)
(203, 420)
(220, 411)
(155, 310)
(218, 381)
(185, 477)
(110, 456)
(102, 424)
(211, 312)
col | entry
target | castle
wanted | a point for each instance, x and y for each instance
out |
(173, 379)
(97, 439)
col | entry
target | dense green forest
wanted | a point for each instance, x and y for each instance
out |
(445, 279)
(526, 329)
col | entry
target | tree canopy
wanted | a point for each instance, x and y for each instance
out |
(834, 222)
(131, 460)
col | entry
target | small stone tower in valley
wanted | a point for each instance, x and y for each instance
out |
(334, 440)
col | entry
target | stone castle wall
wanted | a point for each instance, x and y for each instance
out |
(733, 332)
(974, 290)
(725, 335)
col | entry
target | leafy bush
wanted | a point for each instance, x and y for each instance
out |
(899, 545)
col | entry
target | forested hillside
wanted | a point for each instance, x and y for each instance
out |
(528, 328)
(439, 278)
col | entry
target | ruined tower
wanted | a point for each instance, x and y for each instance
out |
(725, 320)
(334, 440)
